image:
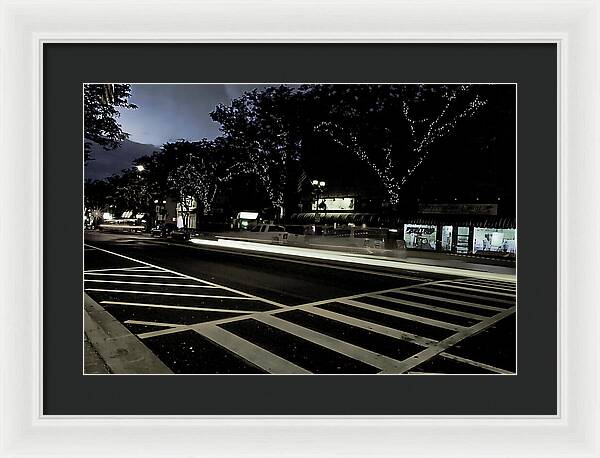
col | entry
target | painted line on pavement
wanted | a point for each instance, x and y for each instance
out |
(153, 323)
(475, 363)
(160, 293)
(256, 355)
(478, 290)
(178, 307)
(424, 341)
(429, 307)
(470, 296)
(262, 299)
(113, 269)
(406, 316)
(445, 344)
(130, 275)
(339, 346)
(148, 283)
(451, 301)
(486, 286)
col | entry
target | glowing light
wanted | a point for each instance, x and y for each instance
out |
(247, 215)
(351, 258)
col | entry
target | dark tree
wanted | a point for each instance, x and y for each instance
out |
(263, 127)
(390, 128)
(197, 170)
(100, 115)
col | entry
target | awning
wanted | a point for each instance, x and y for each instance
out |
(343, 218)
(373, 219)
(498, 222)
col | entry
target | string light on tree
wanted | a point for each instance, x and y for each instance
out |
(423, 132)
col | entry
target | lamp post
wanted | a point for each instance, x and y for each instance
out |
(143, 199)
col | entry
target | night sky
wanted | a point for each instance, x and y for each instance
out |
(167, 112)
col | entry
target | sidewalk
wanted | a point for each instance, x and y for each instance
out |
(111, 349)
(92, 361)
(459, 261)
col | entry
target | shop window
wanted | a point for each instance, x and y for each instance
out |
(495, 240)
(420, 236)
(446, 238)
(462, 240)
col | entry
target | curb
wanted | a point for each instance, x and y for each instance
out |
(120, 350)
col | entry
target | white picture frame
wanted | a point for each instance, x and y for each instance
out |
(27, 25)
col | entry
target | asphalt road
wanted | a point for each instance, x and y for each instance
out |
(212, 310)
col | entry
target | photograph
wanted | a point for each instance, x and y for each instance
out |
(299, 228)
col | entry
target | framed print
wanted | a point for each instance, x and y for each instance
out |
(377, 287)
(296, 229)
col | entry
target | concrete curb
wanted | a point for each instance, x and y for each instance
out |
(122, 352)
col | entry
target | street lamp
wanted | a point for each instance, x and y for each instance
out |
(140, 168)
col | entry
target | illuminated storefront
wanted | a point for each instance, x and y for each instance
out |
(334, 204)
(420, 236)
(446, 241)
(494, 240)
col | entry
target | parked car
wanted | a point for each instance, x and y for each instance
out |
(183, 233)
(272, 233)
(163, 230)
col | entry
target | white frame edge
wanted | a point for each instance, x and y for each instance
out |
(26, 25)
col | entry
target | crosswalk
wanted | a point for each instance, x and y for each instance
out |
(197, 326)
(418, 322)
(138, 295)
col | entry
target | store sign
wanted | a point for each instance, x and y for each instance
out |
(335, 204)
(459, 209)
(247, 215)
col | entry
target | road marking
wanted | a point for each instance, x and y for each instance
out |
(153, 323)
(452, 301)
(476, 281)
(310, 307)
(113, 269)
(368, 325)
(470, 296)
(429, 307)
(148, 283)
(475, 363)
(486, 287)
(268, 301)
(358, 295)
(160, 293)
(478, 290)
(131, 275)
(406, 316)
(179, 307)
(146, 269)
(369, 357)
(443, 345)
(256, 355)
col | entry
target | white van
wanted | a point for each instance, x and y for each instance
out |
(272, 233)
